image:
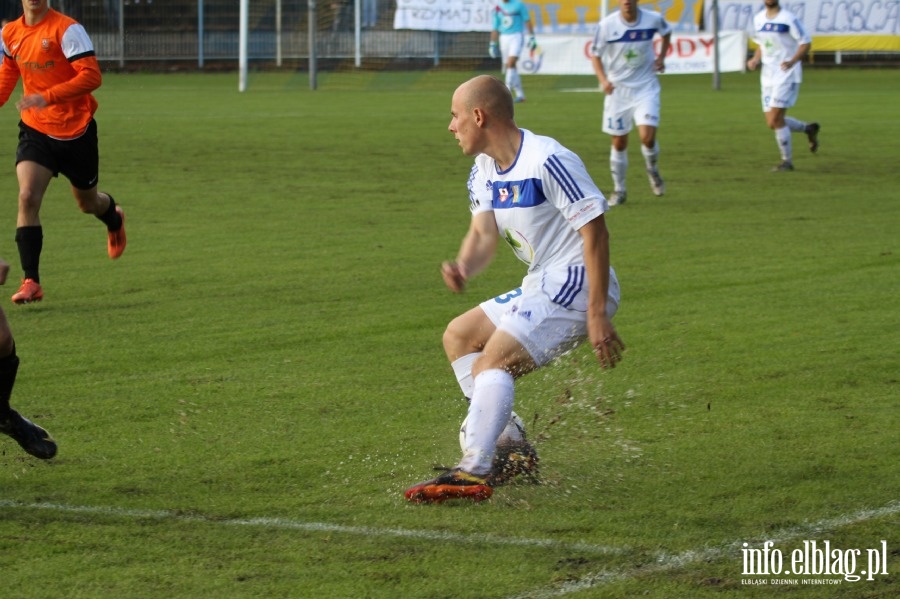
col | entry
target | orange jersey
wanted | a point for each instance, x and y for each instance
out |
(56, 59)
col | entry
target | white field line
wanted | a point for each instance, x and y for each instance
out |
(666, 562)
(288, 524)
(661, 561)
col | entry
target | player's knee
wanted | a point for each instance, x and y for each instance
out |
(455, 343)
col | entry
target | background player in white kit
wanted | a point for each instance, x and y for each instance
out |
(626, 67)
(537, 196)
(782, 42)
(511, 19)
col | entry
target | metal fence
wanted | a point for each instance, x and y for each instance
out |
(207, 31)
(201, 33)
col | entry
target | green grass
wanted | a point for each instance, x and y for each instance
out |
(241, 400)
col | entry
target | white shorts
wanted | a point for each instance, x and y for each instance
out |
(544, 315)
(511, 44)
(627, 107)
(783, 95)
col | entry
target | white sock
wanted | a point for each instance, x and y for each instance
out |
(462, 368)
(618, 164)
(511, 79)
(489, 413)
(795, 125)
(783, 137)
(651, 155)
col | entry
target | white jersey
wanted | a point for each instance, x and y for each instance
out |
(778, 38)
(539, 203)
(627, 48)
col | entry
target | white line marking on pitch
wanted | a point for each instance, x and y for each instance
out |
(664, 562)
(288, 524)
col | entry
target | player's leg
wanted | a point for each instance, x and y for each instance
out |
(810, 129)
(490, 409)
(778, 100)
(80, 163)
(650, 151)
(463, 340)
(795, 125)
(618, 166)
(646, 117)
(517, 347)
(33, 181)
(32, 438)
(104, 207)
(515, 83)
(510, 49)
(617, 123)
(775, 122)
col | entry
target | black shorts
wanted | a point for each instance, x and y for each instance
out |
(78, 159)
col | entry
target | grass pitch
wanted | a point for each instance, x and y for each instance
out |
(242, 398)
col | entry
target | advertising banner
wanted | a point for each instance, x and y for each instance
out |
(689, 53)
(872, 25)
(866, 25)
(547, 16)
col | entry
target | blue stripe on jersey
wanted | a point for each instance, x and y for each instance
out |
(517, 194)
(559, 173)
(572, 287)
(775, 27)
(635, 35)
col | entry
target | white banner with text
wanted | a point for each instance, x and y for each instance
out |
(688, 53)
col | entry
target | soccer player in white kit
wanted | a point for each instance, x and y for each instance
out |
(537, 196)
(626, 66)
(782, 42)
(510, 20)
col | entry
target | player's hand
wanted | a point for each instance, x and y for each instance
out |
(607, 345)
(454, 276)
(787, 64)
(660, 64)
(753, 63)
(31, 101)
(532, 43)
(4, 270)
(494, 50)
(607, 87)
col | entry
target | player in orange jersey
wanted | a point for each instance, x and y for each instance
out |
(55, 59)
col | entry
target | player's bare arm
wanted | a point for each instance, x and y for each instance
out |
(663, 52)
(475, 253)
(604, 339)
(797, 57)
(605, 84)
(754, 60)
